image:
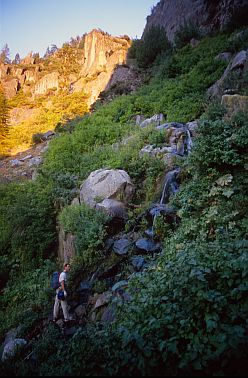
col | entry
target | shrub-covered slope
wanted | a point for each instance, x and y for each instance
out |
(187, 312)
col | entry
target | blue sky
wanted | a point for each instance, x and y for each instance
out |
(33, 25)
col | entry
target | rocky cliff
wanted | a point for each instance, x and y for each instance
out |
(207, 14)
(87, 68)
(101, 54)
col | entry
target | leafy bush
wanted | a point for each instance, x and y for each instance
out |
(154, 42)
(27, 223)
(186, 33)
(187, 312)
(37, 138)
(26, 297)
(89, 228)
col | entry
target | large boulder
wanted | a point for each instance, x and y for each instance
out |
(66, 249)
(10, 87)
(114, 208)
(234, 103)
(106, 183)
(238, 63)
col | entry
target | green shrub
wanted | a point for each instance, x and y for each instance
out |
(89, 227)
(186, 33)
(37, 138)
(26, 297)
(27, 223)
(154, 42)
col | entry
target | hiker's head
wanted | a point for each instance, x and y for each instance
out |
(66, 267)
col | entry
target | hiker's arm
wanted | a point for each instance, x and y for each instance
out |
(63, 287)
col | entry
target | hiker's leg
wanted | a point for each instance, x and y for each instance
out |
(65, 309)
(56, 308)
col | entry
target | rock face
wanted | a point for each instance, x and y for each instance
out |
(101, 54)
(106, 183)
(237, 65)
(94, 67)
(49, 81)
(66, 249)
(11, 87)
(208, 15)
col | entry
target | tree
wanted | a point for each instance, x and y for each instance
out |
(53, 49)
(3, 114)
(154, 42)
(4, 55)
(47, 53)
(17, 59)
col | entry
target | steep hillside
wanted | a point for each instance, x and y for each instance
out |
(146, 197)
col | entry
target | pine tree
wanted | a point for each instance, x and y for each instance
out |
(4, 55)
(17, 59)
(3, 114)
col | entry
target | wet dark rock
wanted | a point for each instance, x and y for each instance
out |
(161, 208)
(119, 285)
(109, 272)
(84, 285)
(138, 262)
(169, 124)
(109, 244)
(108, 315)
(147, 245)
(122, 246)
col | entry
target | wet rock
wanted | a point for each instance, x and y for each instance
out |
(121, 246)
(80, 311)
(147, 245)
(109, 244)
(138, 262)
(102, 299)
(226, 56)
(114, 208)
(119, 285)
(170, 124)
(108, 315)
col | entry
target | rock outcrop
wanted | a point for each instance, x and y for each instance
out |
(91, 70)
(49, 81)
(106, 184)
(101, 54)
(208, 15)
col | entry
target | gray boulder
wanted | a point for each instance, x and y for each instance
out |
(114, 208)
(11, 347)
(121, 246)
(155, 120)
(106, 183)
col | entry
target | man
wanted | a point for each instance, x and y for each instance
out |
(62, 280)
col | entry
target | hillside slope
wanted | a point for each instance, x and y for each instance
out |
(147, 198)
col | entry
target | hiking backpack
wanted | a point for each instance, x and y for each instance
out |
(55, 280)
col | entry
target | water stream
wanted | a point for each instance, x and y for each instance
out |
(170, 186)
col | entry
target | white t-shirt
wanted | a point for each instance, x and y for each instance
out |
(62, 277)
